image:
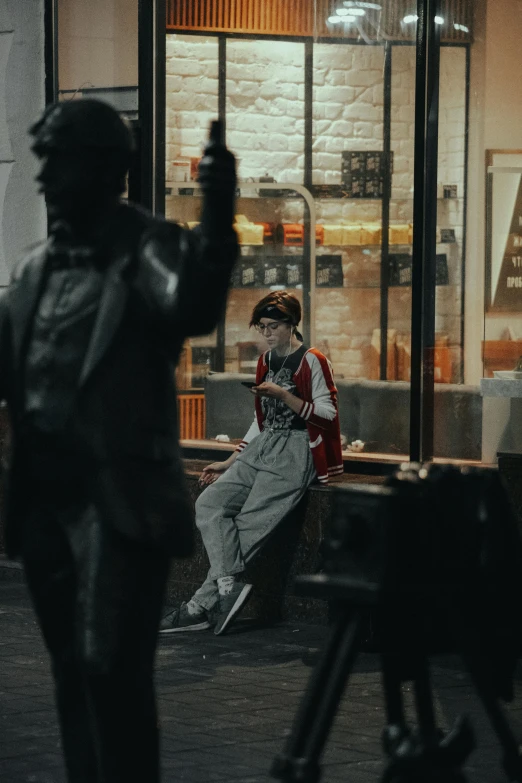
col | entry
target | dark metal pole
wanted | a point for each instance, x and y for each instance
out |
(308, 142)
(146, 10)
(222, 115)
(424, 230)
(222, 80)
(385, 221)
(430, 244)
(160, 98)
(51, 51)
(151, 101)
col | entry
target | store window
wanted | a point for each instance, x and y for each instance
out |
(319, 105)
(97, 52)
(496, 201)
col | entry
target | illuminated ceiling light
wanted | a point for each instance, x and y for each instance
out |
(357, 11)
(335, 19)
(439, 20)
(360, 4)
(410, 18)
(461, 27)
(342, 12)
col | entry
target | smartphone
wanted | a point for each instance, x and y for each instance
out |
(248, 384)
(216, 133)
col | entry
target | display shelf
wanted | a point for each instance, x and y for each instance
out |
(195, 191)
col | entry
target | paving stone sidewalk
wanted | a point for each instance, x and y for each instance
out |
(226, 704)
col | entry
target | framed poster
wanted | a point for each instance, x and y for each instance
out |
(504, 231)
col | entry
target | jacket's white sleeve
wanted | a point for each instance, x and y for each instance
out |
(321, 408)
(251, 434)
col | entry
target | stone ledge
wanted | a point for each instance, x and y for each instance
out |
(293, 550)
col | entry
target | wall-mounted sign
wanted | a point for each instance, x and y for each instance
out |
(504, 230)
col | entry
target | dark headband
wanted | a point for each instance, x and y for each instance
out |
(272, 311)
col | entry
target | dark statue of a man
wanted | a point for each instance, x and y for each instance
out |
(91, 328)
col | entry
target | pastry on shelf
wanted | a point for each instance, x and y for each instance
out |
(269, 230)
(248, 233)
(333, 234)
(371, 234)
(400, 234)
(352, 234)
(291, 234)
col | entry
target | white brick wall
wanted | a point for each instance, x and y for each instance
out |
(265, 129)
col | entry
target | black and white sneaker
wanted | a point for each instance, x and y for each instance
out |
(179, 619)
(230, 605)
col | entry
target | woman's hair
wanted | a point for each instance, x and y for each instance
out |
(281, 306)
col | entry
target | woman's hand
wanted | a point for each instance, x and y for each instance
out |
(213, 471)
(269, 389)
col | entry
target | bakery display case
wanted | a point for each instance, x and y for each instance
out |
(338, 273)
(323, 133)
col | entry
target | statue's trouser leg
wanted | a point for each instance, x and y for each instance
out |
(98, 599)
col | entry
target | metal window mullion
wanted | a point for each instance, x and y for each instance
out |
(308, 279)
(429, 288)
(222, 115)
(385, 213)
(424, 231)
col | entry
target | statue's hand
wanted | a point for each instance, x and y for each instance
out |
(217, 178)
(217, 171)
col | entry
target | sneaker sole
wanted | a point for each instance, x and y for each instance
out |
(199, 627)
(239, 604)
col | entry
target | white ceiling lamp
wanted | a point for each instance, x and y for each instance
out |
(461, 27)
(363, 15)
(410, 18)
(360, 4)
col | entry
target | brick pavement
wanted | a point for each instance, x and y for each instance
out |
(226, 704)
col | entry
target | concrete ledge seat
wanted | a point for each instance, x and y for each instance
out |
(376, 412)
(293, 550)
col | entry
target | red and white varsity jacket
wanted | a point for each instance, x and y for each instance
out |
(315, 386)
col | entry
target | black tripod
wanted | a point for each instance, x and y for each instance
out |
(424, 755)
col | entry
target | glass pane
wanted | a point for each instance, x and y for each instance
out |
(401, 217)
(271, 243)
(265, 108)
(348, 129)
(191, 104)
(98, 52)
(493, 297)
(450, 216)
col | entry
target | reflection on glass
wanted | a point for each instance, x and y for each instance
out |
(265, 108)
(98, 52)
(347, 113)
(191, 104)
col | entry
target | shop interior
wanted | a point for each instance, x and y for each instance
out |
(320, 114)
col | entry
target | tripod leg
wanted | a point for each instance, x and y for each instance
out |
(512, 760)
(300, 759)
(424, 701)
(396, 729)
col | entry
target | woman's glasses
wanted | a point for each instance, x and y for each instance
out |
(269, 328)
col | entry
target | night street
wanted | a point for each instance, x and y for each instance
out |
(226, 704)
